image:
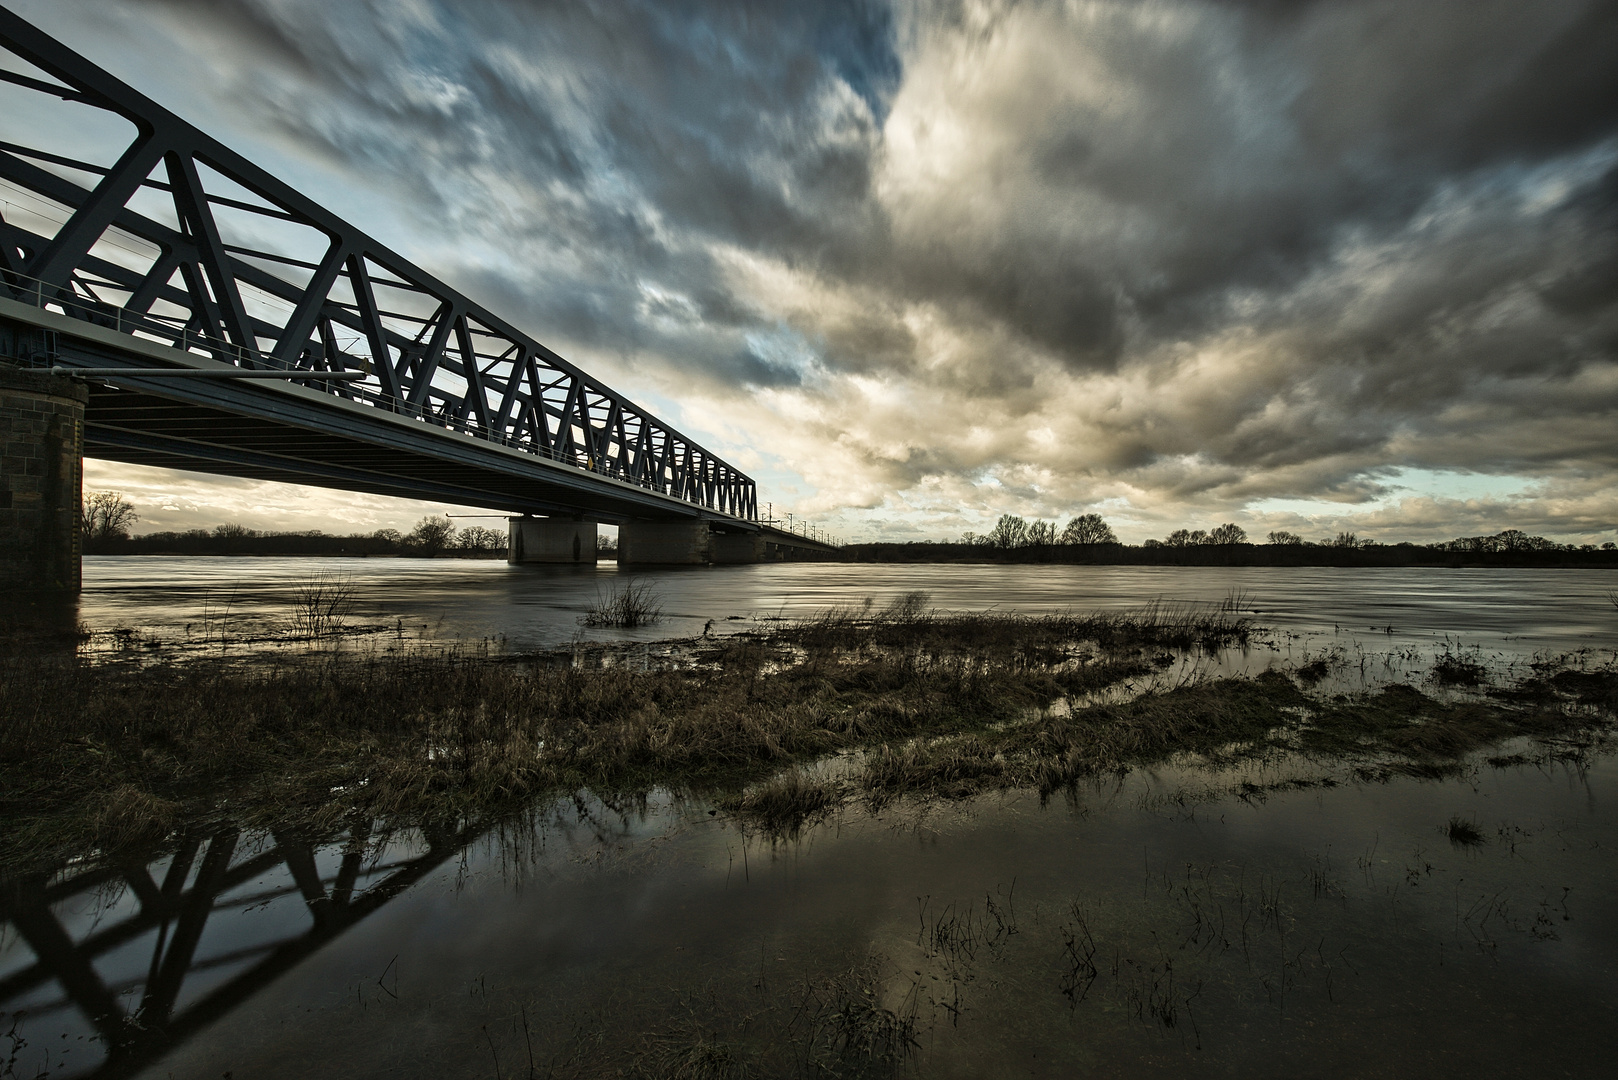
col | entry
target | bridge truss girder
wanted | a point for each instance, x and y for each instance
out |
(160, 244)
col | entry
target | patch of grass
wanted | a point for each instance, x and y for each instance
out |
(692, 1052)
(851, 1032)
(632, 604)
(906, 624)
(118, 755)
(953, 767)
(1463, 833)
(784, 803)
(1452, 669)
(322, 604)
(1311, 673)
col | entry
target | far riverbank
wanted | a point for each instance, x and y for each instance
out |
(1381, 555)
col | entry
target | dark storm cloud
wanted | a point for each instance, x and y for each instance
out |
(1176, 253)
(611, 143)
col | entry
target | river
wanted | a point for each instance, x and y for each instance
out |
(1157, 923)
(1514, 612)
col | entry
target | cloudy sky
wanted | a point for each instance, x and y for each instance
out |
(1304, 266)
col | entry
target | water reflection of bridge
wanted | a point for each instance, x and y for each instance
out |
(150, 977)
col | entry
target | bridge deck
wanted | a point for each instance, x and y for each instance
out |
(296, 434)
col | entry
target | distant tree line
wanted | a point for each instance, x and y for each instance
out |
(1089, 539)
(108, 518)
(1012, 531)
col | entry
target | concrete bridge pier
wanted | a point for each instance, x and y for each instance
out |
(41, 479)
(551, 540)
(686, 543)
(665, 543)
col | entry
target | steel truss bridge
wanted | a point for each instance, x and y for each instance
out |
(130, 239)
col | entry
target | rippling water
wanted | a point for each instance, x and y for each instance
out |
(1515, 612)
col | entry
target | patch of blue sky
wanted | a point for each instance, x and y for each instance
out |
(860, 44)
(783, 349)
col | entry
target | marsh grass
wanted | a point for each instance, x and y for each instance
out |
(632, 604)
(322, 604)
(1453, 669)
(907, 623)
(1463, 833)
(115, 756)
(783, 804)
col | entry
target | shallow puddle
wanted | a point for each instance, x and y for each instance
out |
(1152, 924)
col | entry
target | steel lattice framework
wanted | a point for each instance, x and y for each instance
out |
(181, 241)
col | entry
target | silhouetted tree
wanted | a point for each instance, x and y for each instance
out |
(479, 538)
(431, 535)
(1285, 538)
(1228, 533)
(107, 515)
(1040, 534)
(1088, 529)
(1009, 532)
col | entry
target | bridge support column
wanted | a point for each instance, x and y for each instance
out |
(667, 543)
(41, 479)
(685, 543)
(551, 540)
(738, 547)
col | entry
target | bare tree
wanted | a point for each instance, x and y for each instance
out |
(431, 535)
(1040, 534)
(1009, 532)
(1088, 529)
(480, 538)
(1285, 538)
(107, 516)
(1228, 533)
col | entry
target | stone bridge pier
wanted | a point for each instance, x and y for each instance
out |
(41, 479)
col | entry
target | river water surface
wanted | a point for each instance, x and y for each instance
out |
(1151, 924)
(535, 607)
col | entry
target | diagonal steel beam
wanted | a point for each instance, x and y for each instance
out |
(294, 337)
(73, 241)
(192, 205)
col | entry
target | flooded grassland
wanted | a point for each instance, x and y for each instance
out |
(886, 840)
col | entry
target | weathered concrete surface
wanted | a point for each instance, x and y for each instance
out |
(41, 479)
(664, 543)
(739, 547)
(697, 543)
(551, 540)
